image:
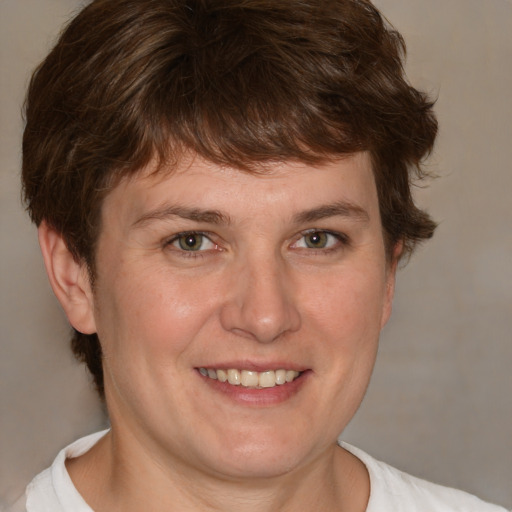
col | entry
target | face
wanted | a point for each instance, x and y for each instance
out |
(277, 282)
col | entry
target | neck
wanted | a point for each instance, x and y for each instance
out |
(119, 473)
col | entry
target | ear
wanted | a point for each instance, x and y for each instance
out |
(69, 280)
(390, 283)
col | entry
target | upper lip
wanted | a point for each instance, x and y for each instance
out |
(254, 366)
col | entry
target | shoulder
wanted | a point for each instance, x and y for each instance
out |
(52, 490)
(393, 490)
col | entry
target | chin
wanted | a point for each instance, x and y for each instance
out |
(257, 456)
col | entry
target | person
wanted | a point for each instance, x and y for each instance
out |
(222, 193)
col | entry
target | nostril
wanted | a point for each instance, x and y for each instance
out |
(261, 304)
(259, 324)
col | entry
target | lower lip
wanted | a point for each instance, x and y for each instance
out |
(258, 397)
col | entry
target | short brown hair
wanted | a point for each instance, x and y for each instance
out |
(238, 82)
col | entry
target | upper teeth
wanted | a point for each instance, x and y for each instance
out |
(248, 378)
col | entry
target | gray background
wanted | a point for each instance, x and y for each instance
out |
(439, 404)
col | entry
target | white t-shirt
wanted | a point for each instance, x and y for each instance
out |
(391, 489)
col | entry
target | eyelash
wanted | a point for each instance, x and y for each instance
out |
(341, 241)
(190, 254)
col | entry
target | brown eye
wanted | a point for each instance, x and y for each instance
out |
(192, 242)
(316, 240)
(322, 241)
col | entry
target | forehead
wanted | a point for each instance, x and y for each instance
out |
(278, 188)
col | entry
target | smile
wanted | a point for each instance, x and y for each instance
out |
(251, 379)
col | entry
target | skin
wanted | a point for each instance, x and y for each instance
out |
(291, 272)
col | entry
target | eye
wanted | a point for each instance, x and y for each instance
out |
(317, 239)
(192, 242)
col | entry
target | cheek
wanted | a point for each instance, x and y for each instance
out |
(344, 320)
(349, 305)
(148, 312)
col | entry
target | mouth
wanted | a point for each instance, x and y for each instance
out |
(251, 379)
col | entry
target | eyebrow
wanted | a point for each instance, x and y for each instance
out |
(195, 214)
(339, 208)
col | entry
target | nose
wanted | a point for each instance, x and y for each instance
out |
(261, 302)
